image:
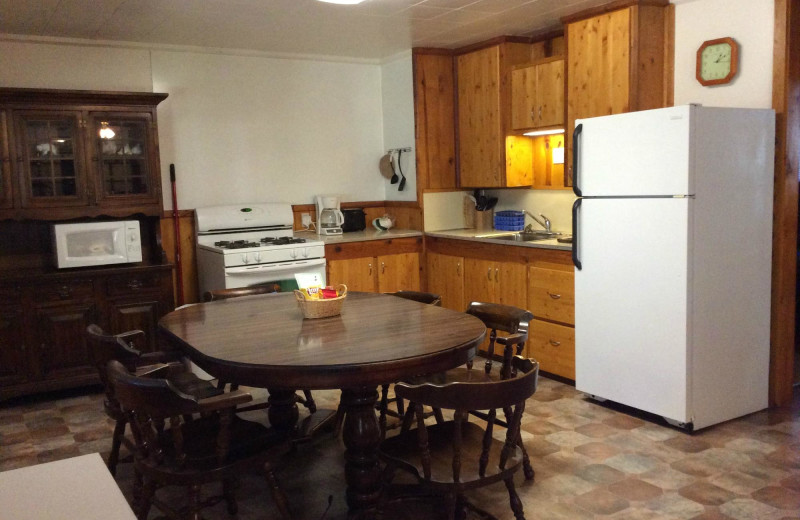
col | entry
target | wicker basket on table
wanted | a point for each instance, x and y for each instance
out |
(322, 308)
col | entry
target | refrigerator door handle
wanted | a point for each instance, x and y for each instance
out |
(575, 239)
(575, 158)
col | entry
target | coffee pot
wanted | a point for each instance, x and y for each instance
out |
(329, 215)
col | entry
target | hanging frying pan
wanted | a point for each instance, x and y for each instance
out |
(385, 166)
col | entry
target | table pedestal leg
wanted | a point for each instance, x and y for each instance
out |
(282, 411)
(361, 436)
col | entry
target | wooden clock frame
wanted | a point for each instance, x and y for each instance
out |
(734, 61)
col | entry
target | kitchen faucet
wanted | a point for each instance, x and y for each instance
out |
(545, 224)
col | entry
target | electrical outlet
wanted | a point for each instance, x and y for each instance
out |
(305, 219)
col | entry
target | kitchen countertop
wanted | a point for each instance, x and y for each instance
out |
(360, 236)
(470, 234)
(458, 234)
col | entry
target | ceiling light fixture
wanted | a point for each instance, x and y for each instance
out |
(105, 131)
(347, 2)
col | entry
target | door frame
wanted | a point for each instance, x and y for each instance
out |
(785, 80)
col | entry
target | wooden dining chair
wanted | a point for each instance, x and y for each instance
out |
(450, 458)
(216, 446)
(224, 294)
(508, 327)
(122, 347)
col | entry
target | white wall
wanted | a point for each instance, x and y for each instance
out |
(750, 23)
(242, 128)
(50, 65)
(397, 95)
(238, 128)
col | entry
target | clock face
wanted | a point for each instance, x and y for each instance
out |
(717, 61)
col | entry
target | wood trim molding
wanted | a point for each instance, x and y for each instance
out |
(491, 42)
(611, 6)
(78, 97)
(785, 82)
(432, 50)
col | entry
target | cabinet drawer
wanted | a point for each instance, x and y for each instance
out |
(73, 290)
(551, 294)
(553, 346)
(133, 284)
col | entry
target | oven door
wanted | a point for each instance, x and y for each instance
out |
(281, 273)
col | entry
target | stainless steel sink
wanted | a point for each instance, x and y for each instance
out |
(526, 237)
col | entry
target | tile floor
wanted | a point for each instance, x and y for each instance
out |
(591, 461)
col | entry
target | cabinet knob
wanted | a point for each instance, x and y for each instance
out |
(496, 274)
(553, 296)
(458, 268)
(135, 284)
(370, 269)
(489, 274)
(64, 292)
(555, 343)
(383, 267)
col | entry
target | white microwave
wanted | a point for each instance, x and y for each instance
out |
(85, 244)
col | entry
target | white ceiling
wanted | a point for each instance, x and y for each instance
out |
(373, 30)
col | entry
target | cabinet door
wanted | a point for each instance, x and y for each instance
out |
(123, 157)
(598, 68)
(13, 363)
(480, 135)
(524, 107)
(358, 274)
(50, 159)
(553, 346)
(60, 331)
(434, 121)
(137, 314)
(550, 93)
(511, 282)
(446, 278)
(398, 272)
(479, 281)
(551, 294)
(6, 200)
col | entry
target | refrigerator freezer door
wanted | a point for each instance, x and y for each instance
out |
(632, 303)
(643, 153)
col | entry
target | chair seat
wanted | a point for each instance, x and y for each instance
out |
(190, 384)
(403, 450)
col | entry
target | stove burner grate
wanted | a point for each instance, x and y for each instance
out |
(279, 241)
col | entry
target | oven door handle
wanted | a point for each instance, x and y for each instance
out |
(283, 266)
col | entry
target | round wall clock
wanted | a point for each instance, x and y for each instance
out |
(717, 61)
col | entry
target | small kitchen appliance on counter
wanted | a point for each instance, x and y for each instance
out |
(329, 215)
(354, 220)
(251, 244)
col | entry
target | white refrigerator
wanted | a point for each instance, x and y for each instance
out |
(672, 245)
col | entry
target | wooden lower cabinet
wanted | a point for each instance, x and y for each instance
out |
(539, 280)
(553, 346)
(42, 328)
(446, 278)
(387, 265)
(493, 281)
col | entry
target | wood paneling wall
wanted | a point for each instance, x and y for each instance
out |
(188, 258)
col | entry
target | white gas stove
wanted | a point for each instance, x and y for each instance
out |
(251, 244)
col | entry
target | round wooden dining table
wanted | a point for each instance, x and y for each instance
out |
(264, 341)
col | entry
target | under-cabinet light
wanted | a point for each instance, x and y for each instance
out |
(545, 132)
(348, 2)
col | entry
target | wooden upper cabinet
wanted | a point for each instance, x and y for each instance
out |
(488, 155)
(63, 168)
(50, 158)
(434, 119)
(537, 95)
(123, 164)
(616, 62)
(6, 195)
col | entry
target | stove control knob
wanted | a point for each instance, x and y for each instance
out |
(293, 253)
(244, 258)
(258, 257)
(305, 252)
